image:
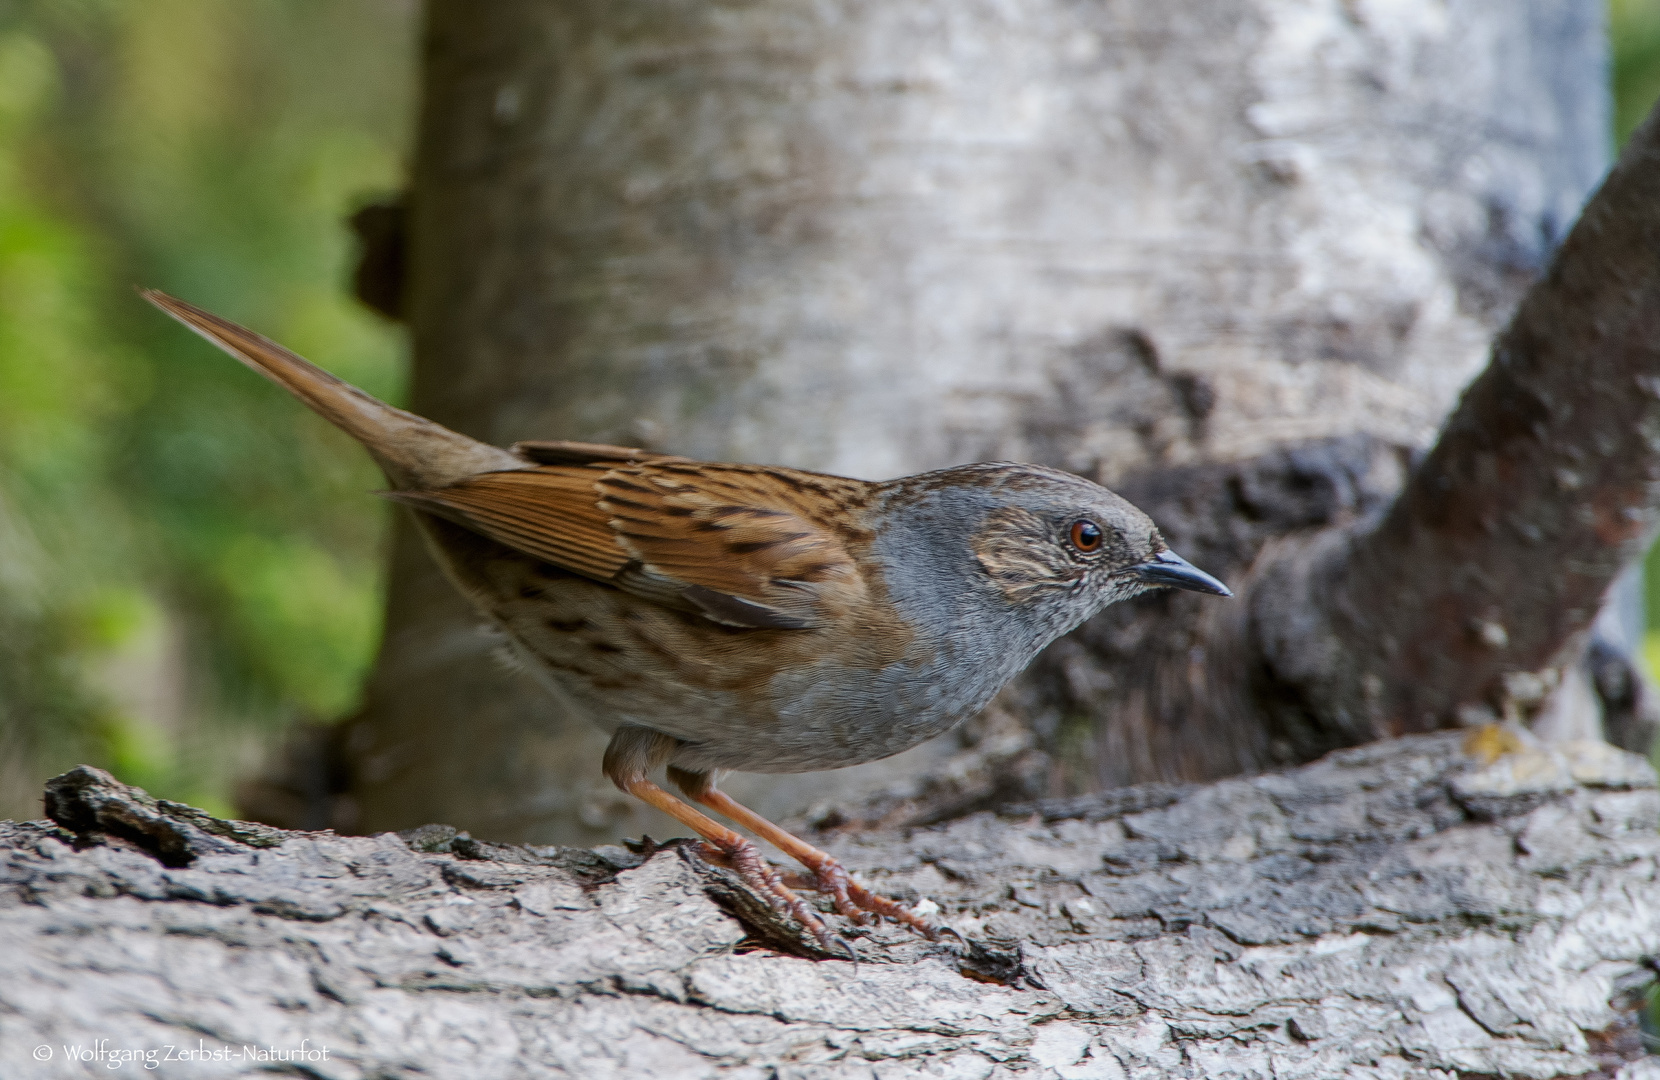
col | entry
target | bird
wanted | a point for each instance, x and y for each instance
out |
(722, 616)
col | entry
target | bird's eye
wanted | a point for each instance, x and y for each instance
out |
(1085, 536)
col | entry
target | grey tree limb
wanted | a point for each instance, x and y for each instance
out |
(1399, 910)
(1480, 584)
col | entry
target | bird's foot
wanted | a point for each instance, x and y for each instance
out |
(860, 904)
(743, 858)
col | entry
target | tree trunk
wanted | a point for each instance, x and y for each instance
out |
(1234, 260)
(1393, 911)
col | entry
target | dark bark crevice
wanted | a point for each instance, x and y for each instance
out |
(381, 273)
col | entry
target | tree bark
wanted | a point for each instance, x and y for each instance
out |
(1235, 260)
(1395, 911)
(1478, 587)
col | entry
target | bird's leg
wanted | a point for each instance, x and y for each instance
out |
(633, 753)
(829, 876)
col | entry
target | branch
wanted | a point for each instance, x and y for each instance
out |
(1390, 911)
(1480, 582)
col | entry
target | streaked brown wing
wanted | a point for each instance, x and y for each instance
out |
(758, 536)
(746, 546)
(552, 513)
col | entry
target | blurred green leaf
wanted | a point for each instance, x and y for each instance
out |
(1634, 40)
(313, 624)
(188, 561)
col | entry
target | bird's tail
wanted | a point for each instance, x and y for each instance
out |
(413, 451)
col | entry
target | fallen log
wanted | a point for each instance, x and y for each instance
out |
(1396, 910)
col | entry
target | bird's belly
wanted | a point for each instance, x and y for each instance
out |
(751, 700)
(828, 718)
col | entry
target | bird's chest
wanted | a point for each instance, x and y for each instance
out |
(754, 700)
(849, 714)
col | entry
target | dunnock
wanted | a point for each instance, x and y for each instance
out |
(718, 616)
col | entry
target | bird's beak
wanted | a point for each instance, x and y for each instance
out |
(1169, 568)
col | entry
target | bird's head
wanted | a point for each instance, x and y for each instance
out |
(1042, 547)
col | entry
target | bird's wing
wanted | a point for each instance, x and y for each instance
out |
(753, 546)
(552, 513)
(745, 546)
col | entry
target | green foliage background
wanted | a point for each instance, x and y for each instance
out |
(188, 562)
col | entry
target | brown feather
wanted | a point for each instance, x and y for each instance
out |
(735, 531)
(747, 547)
(414, 452)
(550, 512)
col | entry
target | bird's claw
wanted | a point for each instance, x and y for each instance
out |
(850, 899)
(745, 860)
(862, 906)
